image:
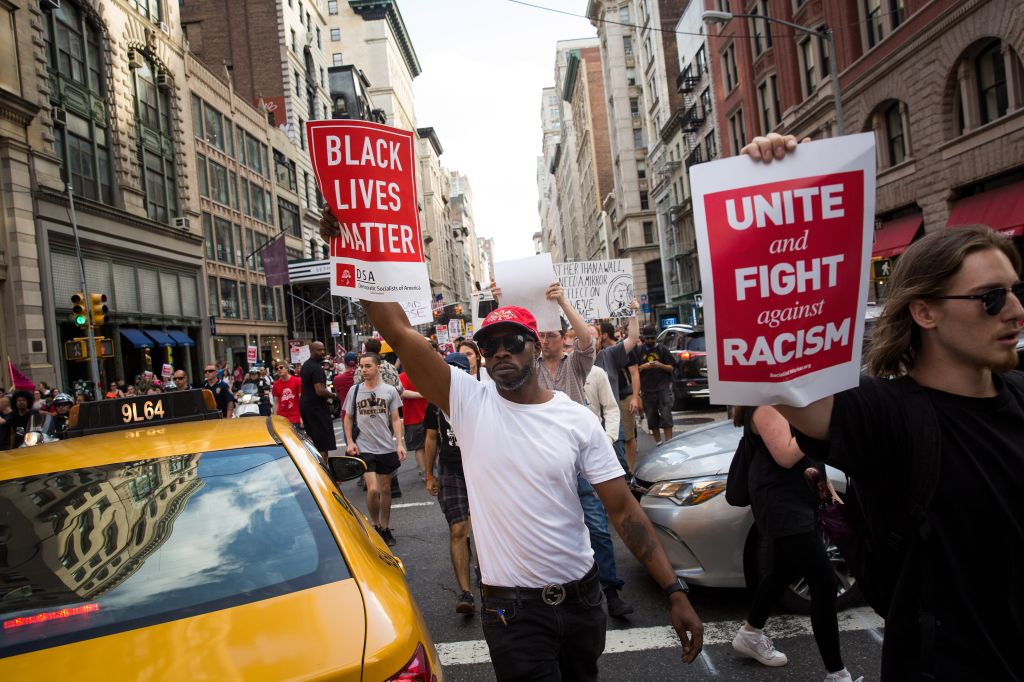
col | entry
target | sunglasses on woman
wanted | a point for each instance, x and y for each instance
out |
(513, 343)
(993, 299)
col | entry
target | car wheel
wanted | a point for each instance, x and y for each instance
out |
(797, 597)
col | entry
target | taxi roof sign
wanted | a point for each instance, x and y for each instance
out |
(101, 416)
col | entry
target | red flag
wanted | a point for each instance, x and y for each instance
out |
(275, 262)
(18, 378)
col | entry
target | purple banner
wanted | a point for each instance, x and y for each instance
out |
(275, 263)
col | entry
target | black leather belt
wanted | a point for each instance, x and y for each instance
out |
(552, 595)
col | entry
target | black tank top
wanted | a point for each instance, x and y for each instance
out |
(781, 499)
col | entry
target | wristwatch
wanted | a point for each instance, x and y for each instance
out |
(679, 585)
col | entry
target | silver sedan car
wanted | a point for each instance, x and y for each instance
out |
(680, 485)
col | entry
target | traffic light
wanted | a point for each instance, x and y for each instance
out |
(98, 304)
(458, 310)
(79, 315)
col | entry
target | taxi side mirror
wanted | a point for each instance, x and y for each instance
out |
(346, 468)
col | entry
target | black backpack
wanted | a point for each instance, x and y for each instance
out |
(881, 535)
(737, 483)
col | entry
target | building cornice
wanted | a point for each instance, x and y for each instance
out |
(17, 109)
(431, 135)
(372, 10)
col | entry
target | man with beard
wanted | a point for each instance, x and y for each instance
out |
(948, 331)
(522, 446)
(313, 397)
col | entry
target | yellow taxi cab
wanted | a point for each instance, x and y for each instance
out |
(160, 542)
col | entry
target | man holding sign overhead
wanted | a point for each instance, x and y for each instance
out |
(949, 429)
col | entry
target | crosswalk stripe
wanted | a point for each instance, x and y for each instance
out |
(413, 504)
(664, 637)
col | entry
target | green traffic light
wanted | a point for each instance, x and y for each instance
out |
(80, 320)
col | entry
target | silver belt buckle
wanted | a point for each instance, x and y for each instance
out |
(553, 594)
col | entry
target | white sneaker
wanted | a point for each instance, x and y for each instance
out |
(842, 676)
(759, 647)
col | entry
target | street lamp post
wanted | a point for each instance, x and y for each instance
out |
(715, 17)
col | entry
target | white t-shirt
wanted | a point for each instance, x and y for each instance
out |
(520, 463)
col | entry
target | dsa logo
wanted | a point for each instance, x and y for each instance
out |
(346, 275)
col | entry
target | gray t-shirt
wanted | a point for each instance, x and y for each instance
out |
(371, 408)
(613, 360)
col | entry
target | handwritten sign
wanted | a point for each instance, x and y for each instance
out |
(299, 354)
(598, 288)
(367, 175)
(523, 282)
(784, 250)
(418, 312)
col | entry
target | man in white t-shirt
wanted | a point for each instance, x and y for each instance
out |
(522, 447)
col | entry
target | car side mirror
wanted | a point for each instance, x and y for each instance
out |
(346, 468)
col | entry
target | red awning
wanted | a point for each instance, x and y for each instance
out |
(895, 235)
(1002, 209)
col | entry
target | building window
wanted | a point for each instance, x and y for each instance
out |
(738, 131)
(638, 138)
(732, 78)
(255, 301)
(233, 189)
(705, 102)
(768, 103)
(225, 241)
(710, 146)
(644, 201)
(648, 232)
(624, 14)
(896, 12)
(295, 42)
(74, 53)
(208, 240)
(213, 292)
(894, 137)
(336, 59)
(204, 184)
(627, 45)
(243, 300)
(155, 143)
(873, 20)
(302, 134)
(335, 35)
(631, 76)
(761, 31)
(990, 71)
(319, 39)
(218, 183)
(229, 299)
(290, 221)
(284, 171)
(810, 79)
(641, 170)
(148, 8)
(332, 7)
(634, 107)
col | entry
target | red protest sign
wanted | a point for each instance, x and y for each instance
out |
(783, 252)
(366, 173)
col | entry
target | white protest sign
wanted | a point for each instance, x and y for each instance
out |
(598, 288)
(442, 334)
(367, 175)
(418, 312)
(523, 282)
(166, 371)
(454, 329)
(299, 354)
(784, 252)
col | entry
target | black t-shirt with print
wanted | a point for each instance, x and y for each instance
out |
(976, 548)
(655, 378)
(449, 455)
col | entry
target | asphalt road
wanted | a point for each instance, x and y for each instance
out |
(640, 647)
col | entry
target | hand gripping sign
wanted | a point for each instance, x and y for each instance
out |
(784, 250)
(366, 173)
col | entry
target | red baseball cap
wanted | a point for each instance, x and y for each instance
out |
(511, 315)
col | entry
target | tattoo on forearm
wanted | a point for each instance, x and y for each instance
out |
(640, 541)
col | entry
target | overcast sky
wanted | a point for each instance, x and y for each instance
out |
(484, 65)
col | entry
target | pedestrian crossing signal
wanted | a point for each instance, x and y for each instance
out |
(79, 314)
(881, 269)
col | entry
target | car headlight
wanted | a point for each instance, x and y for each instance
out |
(689, 492)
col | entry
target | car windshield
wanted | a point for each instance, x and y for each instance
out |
(99, 550)
(696, 344)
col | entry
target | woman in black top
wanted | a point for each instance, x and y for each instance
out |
(784, 511)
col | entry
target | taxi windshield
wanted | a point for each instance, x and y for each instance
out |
(99, 550)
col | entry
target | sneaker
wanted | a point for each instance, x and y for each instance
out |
(389, 539)
(757, 645)
(395, 490)
(616, 607)
(842, 676)
(465, 604)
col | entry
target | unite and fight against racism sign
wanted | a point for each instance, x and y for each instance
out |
(366, 173)
(784, 250)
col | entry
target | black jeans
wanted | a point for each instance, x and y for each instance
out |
(804, 556)
(529, 640)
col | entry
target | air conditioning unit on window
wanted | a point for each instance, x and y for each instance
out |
(60, 116)
(49, 5)
(163, 80)
(183, 223)
(134, 60)
(165, 28)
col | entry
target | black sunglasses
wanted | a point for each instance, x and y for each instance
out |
(513, 343)
(993, 299)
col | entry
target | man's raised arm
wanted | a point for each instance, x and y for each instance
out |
(429, 374)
